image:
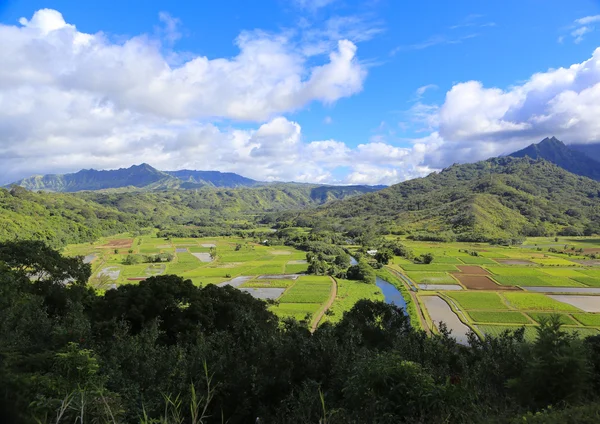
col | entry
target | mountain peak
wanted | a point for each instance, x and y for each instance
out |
(555, 151)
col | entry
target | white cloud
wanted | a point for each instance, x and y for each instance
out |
(268, 76)
(588, 20)
(421, 90)
(580, 28)
(476, 122)
(312, 5)
(70, 100)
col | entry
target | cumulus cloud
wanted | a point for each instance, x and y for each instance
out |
(476, 122)
(70, 100)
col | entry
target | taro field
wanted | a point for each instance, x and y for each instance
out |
(273, 273)
(491, 288)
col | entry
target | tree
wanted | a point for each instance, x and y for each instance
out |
(384, 256)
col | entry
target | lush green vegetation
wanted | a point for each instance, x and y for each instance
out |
(499, 317)
(537, 301)
(501, 199)
(221, 356)
(474, 300)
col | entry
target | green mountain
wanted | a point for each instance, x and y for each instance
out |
(557, 152)
(500, 198)
(58, 218)
(137, 176)
(590, 150)
(211, 178)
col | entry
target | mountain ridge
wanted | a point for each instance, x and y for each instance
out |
(555, 151)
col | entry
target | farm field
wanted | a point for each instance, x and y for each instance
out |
(217, 260)
(496, 279)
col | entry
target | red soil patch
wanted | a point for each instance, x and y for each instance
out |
(591, 250)
(472, 270)
(136, 278)
(480, 282)
(119, 244)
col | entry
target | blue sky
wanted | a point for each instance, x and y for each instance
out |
(415, 86)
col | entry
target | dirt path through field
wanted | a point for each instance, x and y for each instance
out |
(332, 296)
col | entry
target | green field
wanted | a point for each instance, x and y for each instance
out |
(308, 290)
(299, 311)
(477, 260)
(531, 281)
(429, 267)
(591, 320)
(499, 317)
(530, 331)
(349, 292)
(564, 318)
(537, 301)
(478, 300)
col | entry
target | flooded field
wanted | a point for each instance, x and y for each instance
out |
(440, 311)
(264, 293)
(583, 290)
(585, 303)
(203, 257)
(450, 287)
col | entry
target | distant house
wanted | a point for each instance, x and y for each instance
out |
(372, 252)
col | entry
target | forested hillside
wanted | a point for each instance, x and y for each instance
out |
(57, 218)
(61, 218)
(501, 198)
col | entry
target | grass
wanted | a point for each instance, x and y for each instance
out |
(482, 300)
(431, 278)
(508, 317)
(563, 272)
(497, 330)
(554, 261)
(564, 318)
(447, 260)
(588, 281)
(590, 320)
(512, 271)
(531, 281)
(477, 260)
(295, 268)
(591, 272)
(537, 302)
(262, 283)
(429, 267)
(350, 292)
(308, 291)
(299, 311)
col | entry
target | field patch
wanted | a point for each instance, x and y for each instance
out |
(298, 311)
(119, 243)
(429, 267)
(477, 260)
(110, 272)
(554, 262)
(563, 272)
(349, 292)
(472, 300)
(516, 271)
(280, 252)
(263, 292)
(308, 291)
(202, 257)
(480, 282)
(515, 262)
(540, 316)
(473, 270)
(505, 317)
(590, 320)
(538, 302)
(584, 303)
(440, 287)
(531, 281)
(447, 260)
(431, 277)
(588, 281)
(439, 311)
